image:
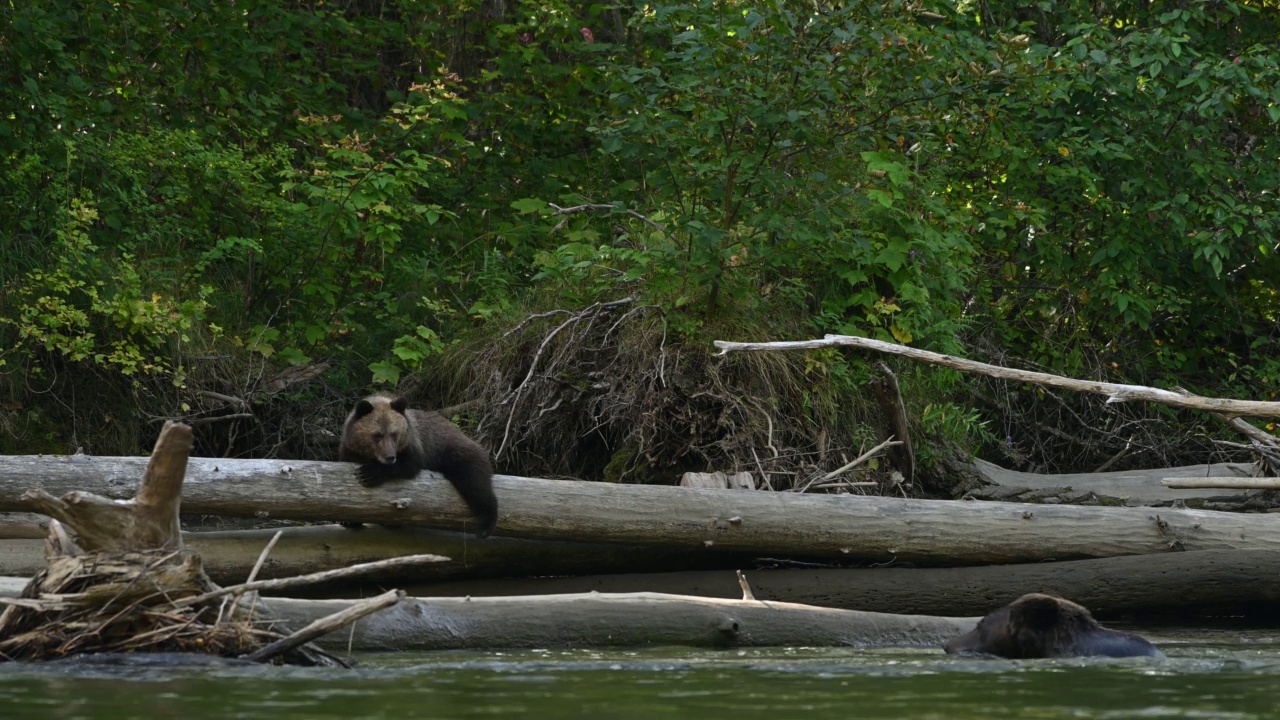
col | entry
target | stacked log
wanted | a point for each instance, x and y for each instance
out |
(941, 557)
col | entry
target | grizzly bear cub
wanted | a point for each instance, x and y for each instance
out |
(1044, 626)
(393, 442)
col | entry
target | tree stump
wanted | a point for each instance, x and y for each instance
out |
(118, 585)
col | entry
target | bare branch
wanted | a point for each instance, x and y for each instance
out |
(1115, 392)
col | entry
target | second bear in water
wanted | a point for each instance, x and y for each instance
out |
(1044, 626)
(391, 441)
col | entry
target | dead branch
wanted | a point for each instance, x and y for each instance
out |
(325, 625)
(1115, 392)
(598, 207)
(574, 319)
(853, 464)
(313, 578)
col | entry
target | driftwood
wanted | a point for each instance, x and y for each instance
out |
(1115, 392)
(229, 555)
(617, 620)
(12, 587)
(718, 480)
(1193, 582)
(31, 526)
(326, 625)
(936, 532)
(1131, 487)
(147, 521)
(125, 582)
(1253, 483)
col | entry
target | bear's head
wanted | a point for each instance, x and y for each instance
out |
(1044, 626)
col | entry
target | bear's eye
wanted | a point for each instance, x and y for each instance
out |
(377, 436)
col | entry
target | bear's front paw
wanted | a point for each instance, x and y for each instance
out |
(371, 475)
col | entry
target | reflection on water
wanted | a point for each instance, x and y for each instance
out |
(1223, 674)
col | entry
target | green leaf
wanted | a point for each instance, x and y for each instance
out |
(385, 373)
(525, 206)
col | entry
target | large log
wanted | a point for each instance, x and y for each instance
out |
(616, 620)
(1133, 487)
(1207, 580)
(937, 532)
(23, 525)
(229, 555)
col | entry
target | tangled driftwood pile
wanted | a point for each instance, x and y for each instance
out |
(126, 583)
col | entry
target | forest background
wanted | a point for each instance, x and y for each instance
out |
(245, 214)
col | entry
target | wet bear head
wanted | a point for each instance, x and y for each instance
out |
(1044, 626)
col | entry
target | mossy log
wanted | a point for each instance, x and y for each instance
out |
(878, 529)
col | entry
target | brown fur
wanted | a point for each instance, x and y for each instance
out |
(393, 442)
(1044, 626)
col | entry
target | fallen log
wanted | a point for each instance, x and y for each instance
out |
(1173, 582)
(934, 532)
(23, 525)
(1239, 483)
(1132, 487)
(13, 586)
(616, 620)
(229, 555)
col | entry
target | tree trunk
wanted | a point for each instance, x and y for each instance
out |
(616, 620)
(894, 416)
(147, 521)
(1131, 487)
(936, 532)
(229, 555)
(1110, 586)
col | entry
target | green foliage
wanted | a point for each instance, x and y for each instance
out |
(1089, 186)
(765, 176)
(1145, 203)
(71, 309)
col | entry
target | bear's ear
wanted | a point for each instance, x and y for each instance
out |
(364, 407)
(1037, 612)
(400, 404)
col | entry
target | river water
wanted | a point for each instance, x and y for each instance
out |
(1229, 674)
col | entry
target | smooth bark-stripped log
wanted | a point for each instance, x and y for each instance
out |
(1108, 586)
(937, 532)
(229, 555)
(12, 586)
(1135, 487)
(1115, 392)
(1250, 483)
(23, 525)
(616, 620)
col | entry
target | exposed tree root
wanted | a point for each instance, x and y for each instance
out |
(138, 589)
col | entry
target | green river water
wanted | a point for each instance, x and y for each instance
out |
(1229, 674)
